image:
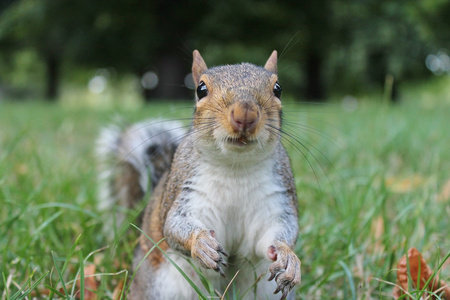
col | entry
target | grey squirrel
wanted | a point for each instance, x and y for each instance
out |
(224, 196)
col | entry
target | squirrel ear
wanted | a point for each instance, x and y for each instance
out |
(271, 64)
(198, 67)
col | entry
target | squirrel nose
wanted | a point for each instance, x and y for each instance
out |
(244, 118)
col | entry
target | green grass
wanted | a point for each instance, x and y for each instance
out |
(372, 189)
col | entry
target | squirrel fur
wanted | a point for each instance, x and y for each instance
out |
(226, 201)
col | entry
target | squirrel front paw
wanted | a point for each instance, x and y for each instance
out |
(208, 251)
(285, 268)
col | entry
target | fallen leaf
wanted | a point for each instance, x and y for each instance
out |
(118, 291)
(420, 273)
(22, 169)
(404, 185)
(90, 283)
(377, 231)
(445, 192)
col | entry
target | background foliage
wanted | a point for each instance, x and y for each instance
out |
(326, 46)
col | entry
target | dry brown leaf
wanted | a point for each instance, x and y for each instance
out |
(404, 185)
(118, 291)
(397, 292)
(377, 230)
(445, 192)
(22, 169)
(418, 269)
(90, 283)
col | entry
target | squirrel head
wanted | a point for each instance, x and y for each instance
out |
(238, 107)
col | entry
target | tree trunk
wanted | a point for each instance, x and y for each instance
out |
(378, 73)
(52, 64)
(314, 78)
(171, 71)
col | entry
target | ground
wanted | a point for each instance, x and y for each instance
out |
(373, 181)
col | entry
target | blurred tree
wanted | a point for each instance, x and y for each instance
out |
(314, 17)
(41, 27)
(375, 40)
(323, 44)
(347, 46)
(300, 30)
(4, 4)
(434, 16)
(139, 36)
(132, 36)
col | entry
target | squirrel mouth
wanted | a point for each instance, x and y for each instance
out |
(240, 141)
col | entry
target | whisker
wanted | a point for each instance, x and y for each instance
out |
(308, 103)
(288, 46)
(302, 142)
(311, 129)
(289, 114)
(297, 139)
(277, 132)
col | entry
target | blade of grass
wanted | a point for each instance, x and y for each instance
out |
(19, 292)
(123, 287)
(58, 270)
(44, 225)
(38, 281)
(53, 291)
(253, 287)
(5, 284)
(81, 275)
(22, 289)
(33, 286)
(66, 263)
(229, 284)
(206, 284)
(71, 252)
(350, 278)
(191, 283)
(64, 205)
(142, 261)
(80, 271)
(434, 274)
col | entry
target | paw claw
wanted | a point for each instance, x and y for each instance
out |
(277, 290)
(285, 269)
(221, 272)
(221, 250)
(207, 251)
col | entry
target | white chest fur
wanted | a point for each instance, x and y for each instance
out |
(242, 205)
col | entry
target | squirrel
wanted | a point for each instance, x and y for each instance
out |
(224, 195)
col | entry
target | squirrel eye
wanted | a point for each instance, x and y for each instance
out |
(277, 90)
(202, 90)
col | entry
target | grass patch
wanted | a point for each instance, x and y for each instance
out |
(371, 185)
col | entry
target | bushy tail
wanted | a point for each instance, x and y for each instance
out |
(132, 160)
